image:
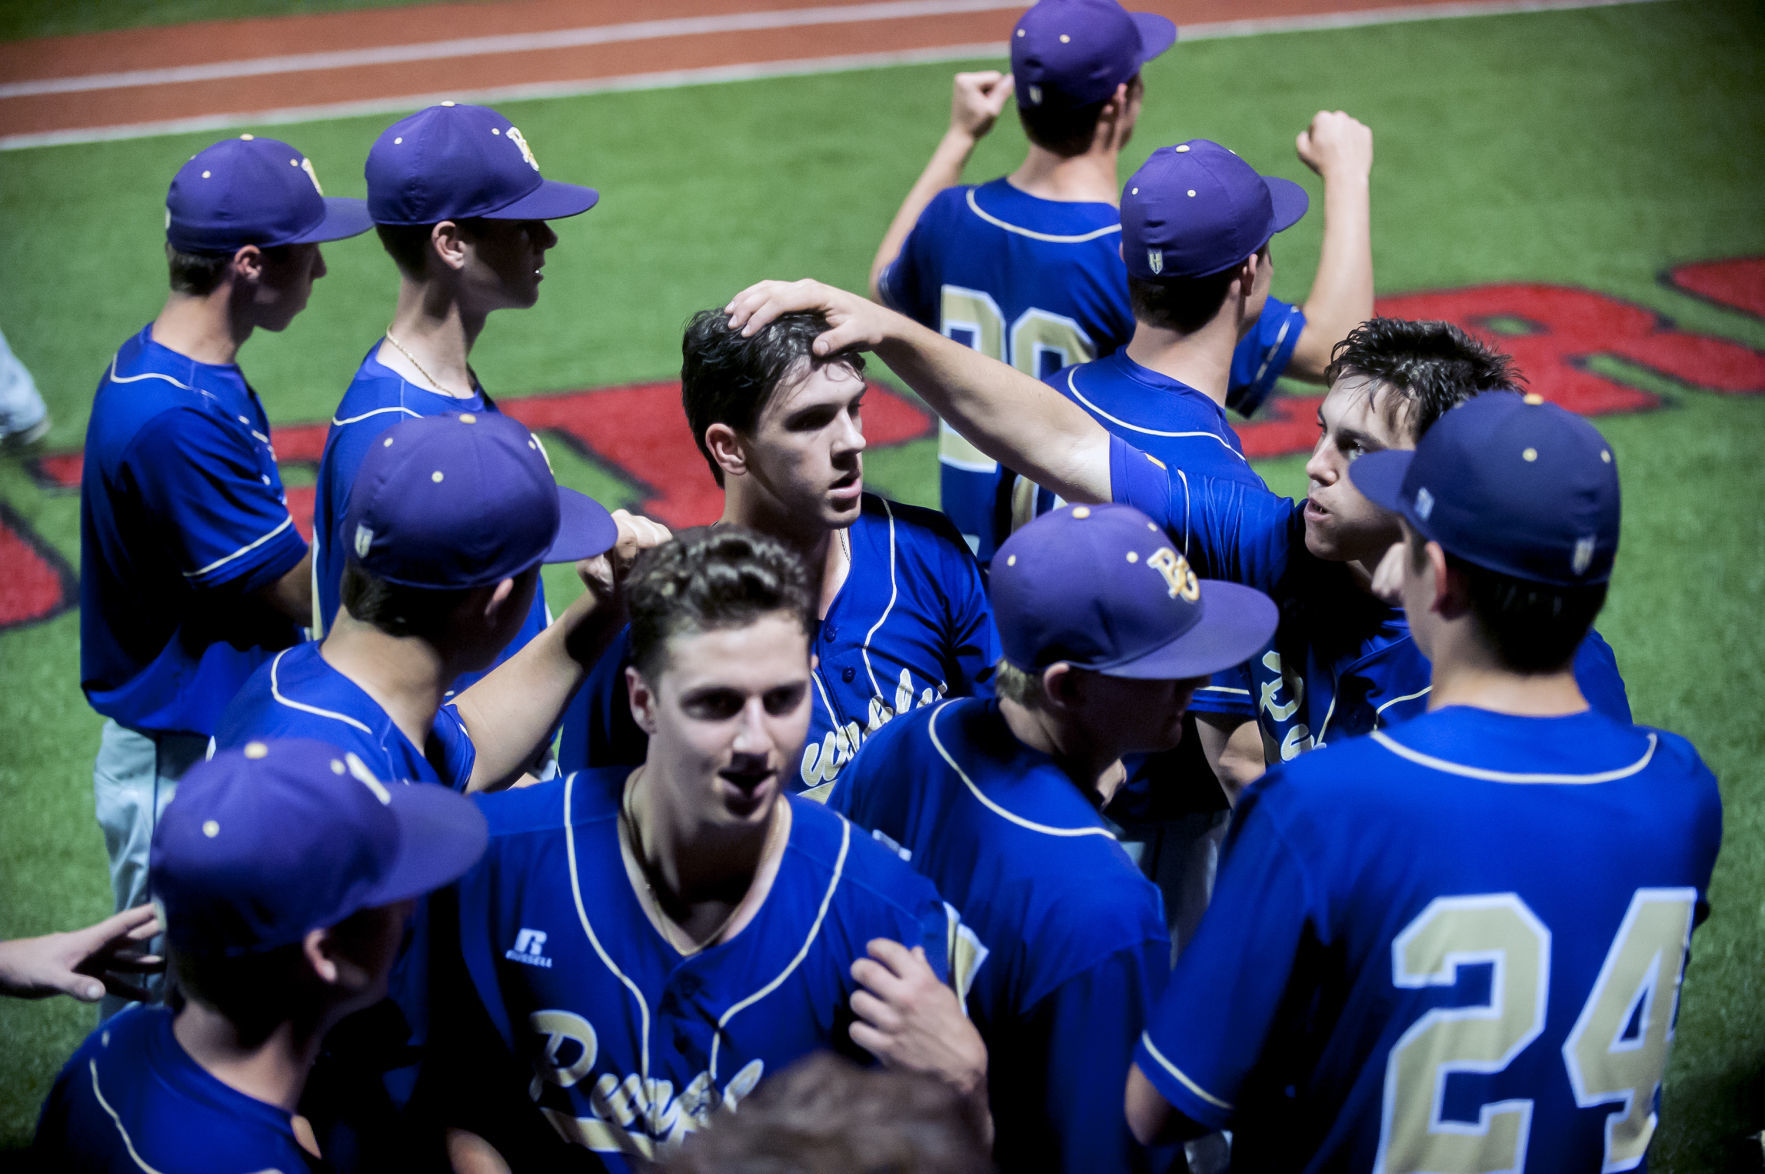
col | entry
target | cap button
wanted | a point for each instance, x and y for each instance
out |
(1533, 398)
(1065, 40)
(468, 418)
(1182, 148)
(1133, 556)
(210, 828)
(1191, 193)
(206, 174)
(436, 476)
(1531, 454)
(1081, 511)
(1011, 560)
(256, 750)
(247, 137)
(449, 102)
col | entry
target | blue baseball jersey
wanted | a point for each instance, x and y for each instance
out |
(379, 397)
(910, 624)
(132, 1099)
(1452, 945)
(299, 695)
(1038, 284)
(1173, 422)
(1343, 661)
(182, 516)
(629, 1044)
(1070, 942)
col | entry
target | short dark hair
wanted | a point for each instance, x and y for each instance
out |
(826, 1115)
(712, 577)
(1531, 627)
(407, 245)
(1183, 304)
(196, 274)
(255, 992)
(1431, 367)
(396, 609)
(727, 379)
(1066, 132)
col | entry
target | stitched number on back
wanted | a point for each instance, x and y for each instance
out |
(1498, 930)
(1618, 1048)
(1040, 343)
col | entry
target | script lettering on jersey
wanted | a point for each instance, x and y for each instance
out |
(823, 760)
(1279, 696)
(626, 1114)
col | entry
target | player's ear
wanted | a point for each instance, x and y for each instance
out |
(319, 948)
(248, 263)
(642, 699)
(448, 242)
(1452, 591)
(1061, 685)
(725, 445)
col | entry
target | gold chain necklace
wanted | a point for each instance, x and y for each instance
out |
(669, 925)
(399, 347)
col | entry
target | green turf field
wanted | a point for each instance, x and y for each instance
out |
(1592, 148)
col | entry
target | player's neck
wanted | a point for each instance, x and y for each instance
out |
(1465, 672)
(1203, 360)
(272, 1070)
(1093, 767)
(1087, 178)
(405, 675)
(431, 337)
(814, 543)
(208, 328)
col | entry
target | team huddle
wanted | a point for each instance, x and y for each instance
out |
(1126, 814)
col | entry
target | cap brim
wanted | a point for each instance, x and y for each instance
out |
(1157, 33)
(1236, 624)
(585, 528)
(1379, 477)
(440, 835)
(345, 216)
(1290, 201)
(551, 200)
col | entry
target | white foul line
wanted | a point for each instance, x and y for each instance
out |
(758, 71)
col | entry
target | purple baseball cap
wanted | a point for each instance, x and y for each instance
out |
(1071, 53)
(266, 842)
(252, 191)
(452, 162)
(1196, 209)
(1102, 588)
(465, 500)
(1510, 483)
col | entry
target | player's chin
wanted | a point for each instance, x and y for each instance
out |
(1321, 541)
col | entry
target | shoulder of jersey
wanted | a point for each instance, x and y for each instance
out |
(540, 807)
(917, 528)
(868, 866)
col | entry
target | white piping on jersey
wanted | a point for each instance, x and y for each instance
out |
(336, 423)
(839, 871)
(1503, 776)
(1072, 385)
(876, 689)
(1318, 738)
(1188, 502)
(128, 1142)
(1038, 236)
(827, 703)
(1223, 689)
(1268, 356)
(1146, 1039)
(246, 549)
(1020, 821)
(643, 1008)
(1422, 692)
(276, 692)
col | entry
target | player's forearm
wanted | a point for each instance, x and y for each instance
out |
(1018, 421)
(291, 594)
(514, 709)
(943, 170)
(1153, 1119)
(1341, 296)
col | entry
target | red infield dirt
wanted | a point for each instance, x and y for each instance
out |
(68, 85)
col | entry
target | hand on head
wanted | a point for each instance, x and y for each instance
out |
(854, 323)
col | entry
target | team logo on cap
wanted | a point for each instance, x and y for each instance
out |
(1155, 261)
(1035, 95)
(306, 165)
(1424, 504)
(520, 140)
(364, 539)
(1178, 575)
(1583, 556)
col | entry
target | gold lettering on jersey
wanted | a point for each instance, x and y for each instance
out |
(1178, 575)
(565, 1034)
(823, 760)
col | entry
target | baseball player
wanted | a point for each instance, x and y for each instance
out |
(1469, 928)
(24, 418)
(459, 204)
(285, 873)
(191, 571)
(997, 802)
(649, 944)
(1027, 268)
(904, 618)
(449, 520)
(1343, 660)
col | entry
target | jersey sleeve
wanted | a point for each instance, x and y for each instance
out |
(909, 282)
(345, 447)
(450, 749)
(598, 727)
(1262, 355)
(221, 518)
(1217, 1027)
(1226, 692)
(973, 644)
(1596, 673)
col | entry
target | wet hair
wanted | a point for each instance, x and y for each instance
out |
(1429, 367)
(1067, 132)
(1532, 627)
(826, 1115)
(709, 578)
(395, 609)
(1183, 304)
(727, 379)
